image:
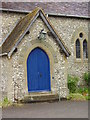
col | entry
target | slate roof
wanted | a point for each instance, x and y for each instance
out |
(65, 8)
(16, 35)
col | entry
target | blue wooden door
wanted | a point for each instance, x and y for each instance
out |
(38, 71)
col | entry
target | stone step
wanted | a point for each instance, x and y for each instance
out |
(40, 97)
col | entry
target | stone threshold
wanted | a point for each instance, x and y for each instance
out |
(40, 97)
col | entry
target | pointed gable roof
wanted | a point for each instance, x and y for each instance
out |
(14, 38)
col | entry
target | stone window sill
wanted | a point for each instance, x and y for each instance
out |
(85, 60)
(77, 60)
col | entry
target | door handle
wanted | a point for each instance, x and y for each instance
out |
(40, 74)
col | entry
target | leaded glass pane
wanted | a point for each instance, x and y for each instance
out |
(85, 52)
(78, 48)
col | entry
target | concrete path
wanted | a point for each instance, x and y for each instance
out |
(63, 109)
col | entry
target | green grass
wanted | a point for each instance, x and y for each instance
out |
(5, 102)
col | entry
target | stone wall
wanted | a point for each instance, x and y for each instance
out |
(15, 70)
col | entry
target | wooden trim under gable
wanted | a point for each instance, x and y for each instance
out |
(55, 34)
(10, 53)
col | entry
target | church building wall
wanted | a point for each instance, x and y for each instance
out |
(14, 69)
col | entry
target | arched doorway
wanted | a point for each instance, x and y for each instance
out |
(38, 71)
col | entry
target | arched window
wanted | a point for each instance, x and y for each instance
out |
(85, 52)
(78, 49)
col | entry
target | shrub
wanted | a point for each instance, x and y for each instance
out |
(87, 97)
(82, 90)
(76, 97)
(72, 83)
(86, 77)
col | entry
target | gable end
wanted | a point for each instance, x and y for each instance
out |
(16, 35)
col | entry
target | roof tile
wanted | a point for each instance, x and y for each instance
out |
(67, 8)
